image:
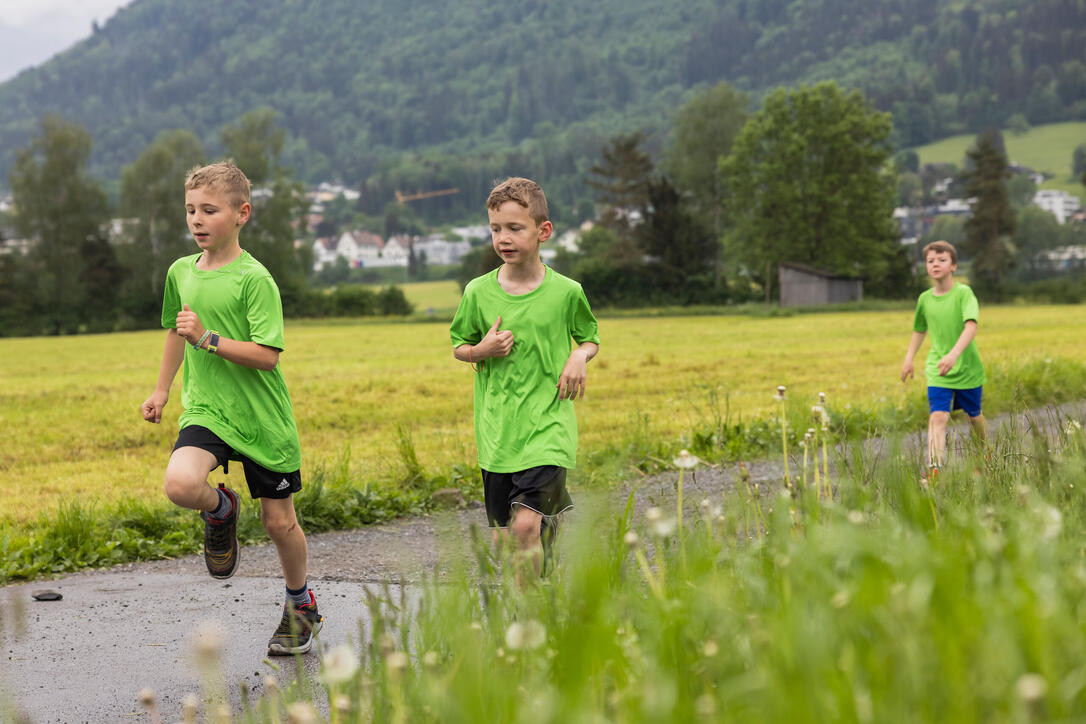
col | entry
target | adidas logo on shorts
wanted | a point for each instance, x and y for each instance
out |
(283, 484)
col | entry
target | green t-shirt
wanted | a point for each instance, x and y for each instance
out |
(944, 318)
(249, 409)
(519, 421)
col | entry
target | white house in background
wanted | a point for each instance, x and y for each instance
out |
(440, 251)
(1058, 203)
(478, 231)
(396, 251)
(359, 248)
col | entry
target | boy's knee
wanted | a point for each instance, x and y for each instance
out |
(525, 527)
(180, 485)
(939, 417)
(278, 526)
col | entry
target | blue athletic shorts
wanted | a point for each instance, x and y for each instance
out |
(944, 399)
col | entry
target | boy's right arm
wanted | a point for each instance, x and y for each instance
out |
(914, 345)
(496, 343)
(172, 357)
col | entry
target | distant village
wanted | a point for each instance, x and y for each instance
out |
(362, 248)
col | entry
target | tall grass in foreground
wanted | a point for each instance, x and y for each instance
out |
(890, 601)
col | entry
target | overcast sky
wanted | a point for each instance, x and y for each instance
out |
(32, 31)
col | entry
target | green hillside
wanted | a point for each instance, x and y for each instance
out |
(431, 94)
(1046, 149)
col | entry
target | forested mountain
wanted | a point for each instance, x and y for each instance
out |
(431, 93)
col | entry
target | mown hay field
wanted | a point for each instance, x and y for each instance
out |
(69, 406)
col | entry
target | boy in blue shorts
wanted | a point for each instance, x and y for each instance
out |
(515, 326)
(954, 371)
(224, 318)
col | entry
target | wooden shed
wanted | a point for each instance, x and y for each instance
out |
(806, 286)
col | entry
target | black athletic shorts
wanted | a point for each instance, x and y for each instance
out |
(542, 489)
(263, 483)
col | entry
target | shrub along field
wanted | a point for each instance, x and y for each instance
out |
(385, 412)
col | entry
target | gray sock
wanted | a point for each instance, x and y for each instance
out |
(299, 597)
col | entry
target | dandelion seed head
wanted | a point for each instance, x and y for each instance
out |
(397, 661)
(525, 635)
(1031, 687)
(430, 659)
(190, 708)
(822, 398)
(340, 664)
(386, 643)
(208, 643)
(653, 514)
(301, 712)
(663, 527)
(710, 649)
(685, 460)
(342, 703)
(856, 516)
(630, 538)
(704, 503)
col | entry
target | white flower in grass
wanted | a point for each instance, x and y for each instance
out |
(653, 514)
(685, 460)
(1031, 687)
(339, 665)
(630, 538)
(663, 527)
(1053, 523)
(525, 635)
(301, 712)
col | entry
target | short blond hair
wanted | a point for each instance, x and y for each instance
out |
(940, 246)
(523, 191)
(224, 177)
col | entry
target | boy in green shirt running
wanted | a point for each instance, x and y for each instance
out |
(225, 322)
(514, 325)
(954, 371)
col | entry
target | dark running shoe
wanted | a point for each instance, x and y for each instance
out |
(297, 629)
(221, 552)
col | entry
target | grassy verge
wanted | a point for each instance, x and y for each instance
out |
(886, 601)
(74, 536)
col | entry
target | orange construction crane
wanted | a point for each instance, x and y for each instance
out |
(403, 198)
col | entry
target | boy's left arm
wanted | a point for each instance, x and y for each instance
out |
(947, 362)
(247, 354)
(571, 383)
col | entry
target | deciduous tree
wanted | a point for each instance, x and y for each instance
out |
(807, 182)
(59, 206)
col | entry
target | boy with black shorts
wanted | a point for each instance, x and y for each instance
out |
(224, 318)
(514, 326)
(955, 374)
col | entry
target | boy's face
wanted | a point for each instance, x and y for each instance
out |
(212, 218)
(515, 235)
(939, 265)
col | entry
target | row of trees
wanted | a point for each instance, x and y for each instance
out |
(81, 274)
(805, 179)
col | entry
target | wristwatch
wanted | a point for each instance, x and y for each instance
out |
(213, 343)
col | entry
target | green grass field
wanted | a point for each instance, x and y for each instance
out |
(442, 296)
(70, 405)
(1043, 148)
